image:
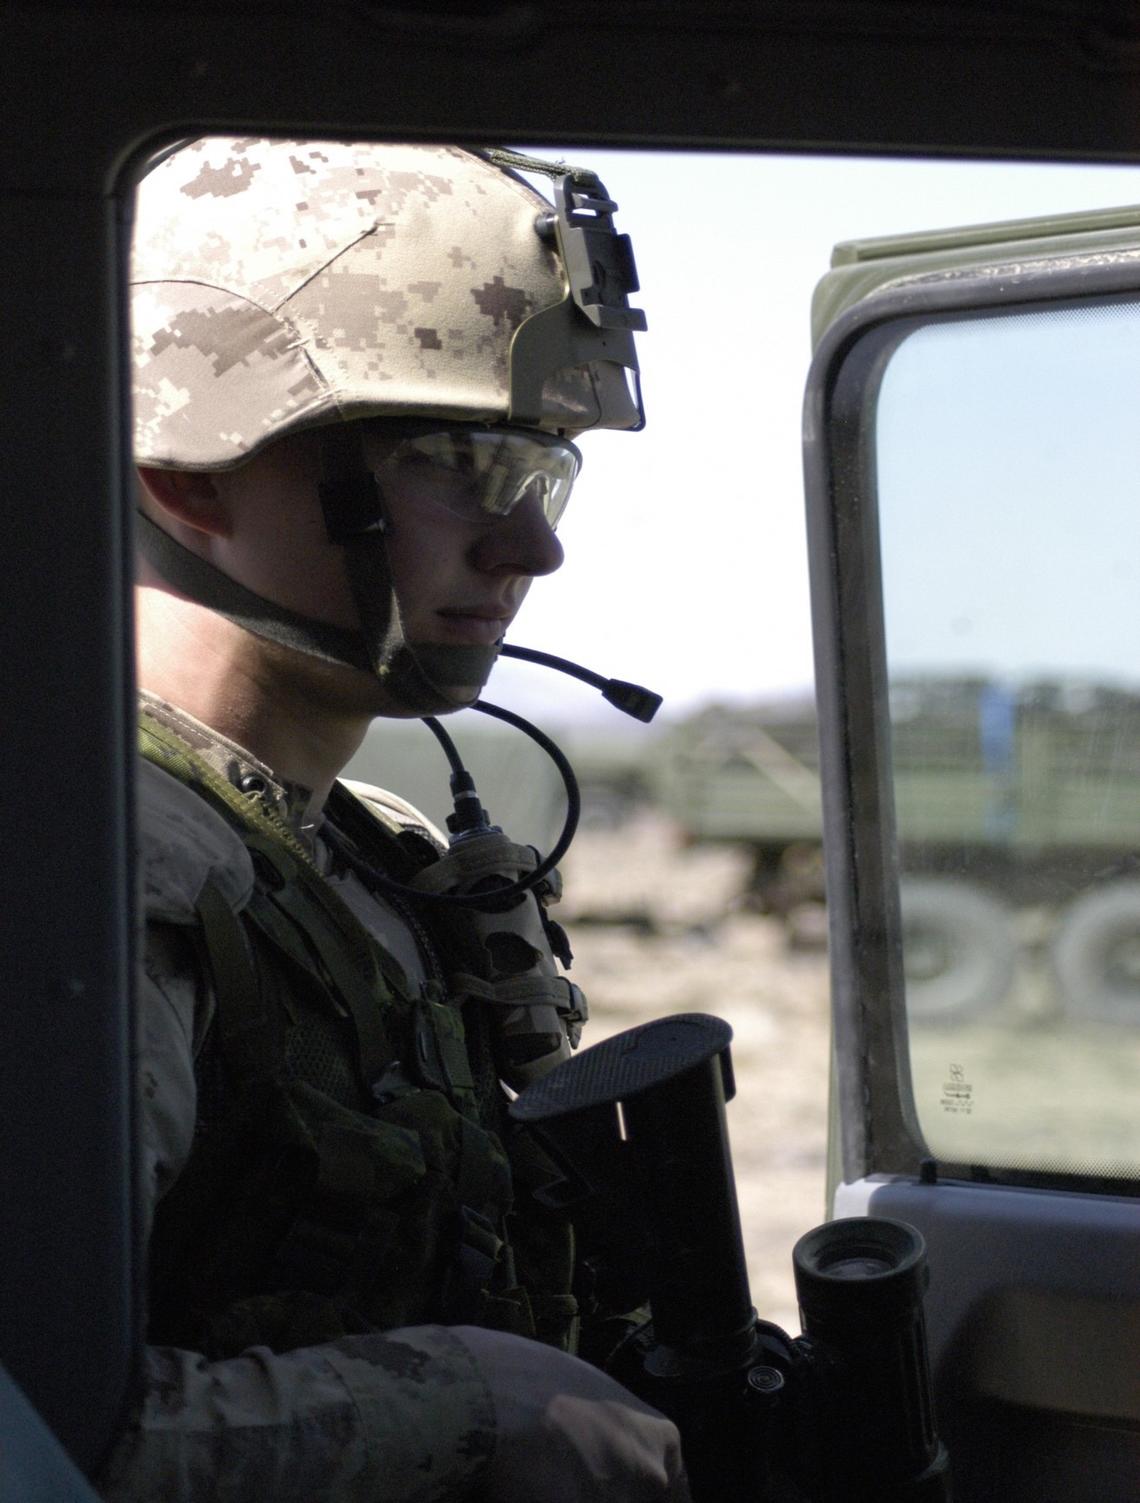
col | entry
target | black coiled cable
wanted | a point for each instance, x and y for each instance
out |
(471, 819)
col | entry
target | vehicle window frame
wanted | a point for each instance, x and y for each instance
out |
(873, 1113)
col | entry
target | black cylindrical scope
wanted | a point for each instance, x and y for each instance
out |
(860, 1282)
(668, 1082)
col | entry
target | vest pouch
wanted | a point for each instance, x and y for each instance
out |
(299, 1220)
(448, 1249)
(543, 1244)
(289, 1207)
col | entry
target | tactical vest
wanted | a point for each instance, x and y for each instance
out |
(353, 1169)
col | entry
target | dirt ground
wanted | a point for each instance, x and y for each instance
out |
(684, 946)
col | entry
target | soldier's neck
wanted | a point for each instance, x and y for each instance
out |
(288, 712)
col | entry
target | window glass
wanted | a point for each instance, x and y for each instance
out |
(1008, 458)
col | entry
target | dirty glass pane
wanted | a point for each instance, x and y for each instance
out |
(1008, 454)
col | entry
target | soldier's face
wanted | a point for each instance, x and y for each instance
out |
(458, 582)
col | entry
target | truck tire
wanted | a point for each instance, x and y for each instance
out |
(1096, 955)
(959, 949)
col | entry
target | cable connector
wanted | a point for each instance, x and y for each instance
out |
(469, 816)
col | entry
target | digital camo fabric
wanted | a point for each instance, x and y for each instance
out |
(399, 1418)
(279, 285)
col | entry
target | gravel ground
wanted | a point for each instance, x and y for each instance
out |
(655, 930)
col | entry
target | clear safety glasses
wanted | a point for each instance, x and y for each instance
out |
(481, 474)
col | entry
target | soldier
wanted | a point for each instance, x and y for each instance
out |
(359, 374)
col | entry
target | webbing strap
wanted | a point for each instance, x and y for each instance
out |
(164, 747)
(349, 958)
(516, 991)
(480, 1180)
(264, 618)
(251, 1042)
(440, 1048)
(464, 1296)
(283, 935)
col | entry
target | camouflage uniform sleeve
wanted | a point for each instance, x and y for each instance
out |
(400, 1418)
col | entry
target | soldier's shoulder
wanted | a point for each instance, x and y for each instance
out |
(395, 813)
(182, 845)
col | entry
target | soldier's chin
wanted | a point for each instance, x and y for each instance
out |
(460, 697)
(436, 680)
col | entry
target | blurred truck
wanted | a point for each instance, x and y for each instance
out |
(1033, 790)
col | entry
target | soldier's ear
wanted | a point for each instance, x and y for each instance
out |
(185, 496)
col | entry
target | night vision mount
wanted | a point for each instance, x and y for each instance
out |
(594, 322)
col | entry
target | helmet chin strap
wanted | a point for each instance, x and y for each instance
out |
(420, 675)
(425, 678)
(208, 586)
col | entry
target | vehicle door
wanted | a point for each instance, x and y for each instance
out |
(971, 461)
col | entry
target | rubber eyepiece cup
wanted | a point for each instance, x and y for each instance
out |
(858, 1270)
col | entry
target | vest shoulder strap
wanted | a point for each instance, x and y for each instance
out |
(279, 864)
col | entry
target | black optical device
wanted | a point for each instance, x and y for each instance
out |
(841, 1412)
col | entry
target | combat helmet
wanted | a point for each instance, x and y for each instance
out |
(282, 285)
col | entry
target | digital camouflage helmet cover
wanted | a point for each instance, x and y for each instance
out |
(278, 286)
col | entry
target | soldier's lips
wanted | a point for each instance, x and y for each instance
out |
(482, 627)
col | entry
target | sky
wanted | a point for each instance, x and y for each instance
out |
(999, 442)
(685, 558)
